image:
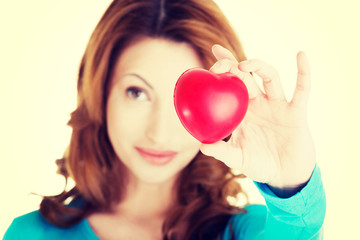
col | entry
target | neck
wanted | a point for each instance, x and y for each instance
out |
(147, 200)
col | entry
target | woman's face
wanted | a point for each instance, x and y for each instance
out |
(142, 124)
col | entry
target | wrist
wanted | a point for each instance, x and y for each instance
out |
(286, 191)
(290, 186)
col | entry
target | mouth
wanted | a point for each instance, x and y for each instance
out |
(156, 157)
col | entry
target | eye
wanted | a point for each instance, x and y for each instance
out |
(136, 94)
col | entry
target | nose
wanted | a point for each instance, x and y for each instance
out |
(161, 124)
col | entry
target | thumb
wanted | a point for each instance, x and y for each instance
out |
(224, 152)
(222, 53)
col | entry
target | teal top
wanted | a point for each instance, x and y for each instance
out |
(300, 216)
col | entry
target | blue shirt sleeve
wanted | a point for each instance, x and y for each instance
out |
(300, 216)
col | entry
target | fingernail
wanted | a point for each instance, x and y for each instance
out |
(241, 65)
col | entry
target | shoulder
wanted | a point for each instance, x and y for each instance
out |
(254, 214)
(33, 226)
(251, 222)
(27, 222)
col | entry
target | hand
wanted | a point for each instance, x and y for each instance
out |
(273, 143)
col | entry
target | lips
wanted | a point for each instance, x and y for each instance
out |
(156, 157)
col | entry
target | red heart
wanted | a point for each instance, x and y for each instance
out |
(210, 106)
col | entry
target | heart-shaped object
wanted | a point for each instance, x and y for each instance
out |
(210, 106)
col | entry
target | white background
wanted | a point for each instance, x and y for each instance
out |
(41, 44)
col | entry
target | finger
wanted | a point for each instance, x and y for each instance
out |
(228, 63)
(269, 75)
(225, 153)
(222, 53)
(302, 89)
(251, 85)
(225, 65)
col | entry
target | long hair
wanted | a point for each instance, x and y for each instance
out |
(203, 187)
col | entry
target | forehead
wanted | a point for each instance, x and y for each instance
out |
(156, 59)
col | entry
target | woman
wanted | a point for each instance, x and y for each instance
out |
(140, 175)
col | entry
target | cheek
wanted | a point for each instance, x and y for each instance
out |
(184, 138)
(187, 143)
(123, 123)
(118, 124)
(181, 135)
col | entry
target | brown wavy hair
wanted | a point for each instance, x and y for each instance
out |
(203, 187)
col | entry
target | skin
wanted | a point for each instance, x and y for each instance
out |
(140, 113)
(272, 145)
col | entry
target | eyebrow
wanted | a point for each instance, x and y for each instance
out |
(139, 77)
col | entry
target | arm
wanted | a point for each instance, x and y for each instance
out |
(273, 145)
(300, 216)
